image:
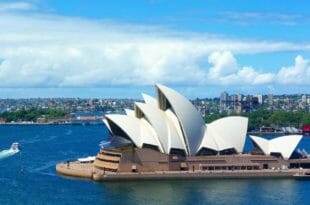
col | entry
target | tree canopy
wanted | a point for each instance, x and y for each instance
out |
(32, 114)
(267, 118)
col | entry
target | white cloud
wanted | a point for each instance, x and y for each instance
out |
(223, 63)
(56, 51)
(299, 73)
(16, 6)
(225, 71)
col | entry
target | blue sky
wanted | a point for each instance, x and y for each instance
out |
(79, 48)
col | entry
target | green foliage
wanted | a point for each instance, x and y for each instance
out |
(32, 114)
(305, 120)
(267, 118)
(282, 118)
(259, 118)
(212, 117)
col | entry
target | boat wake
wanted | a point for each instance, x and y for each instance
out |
(10, 152)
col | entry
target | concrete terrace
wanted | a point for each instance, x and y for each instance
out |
(88, 170)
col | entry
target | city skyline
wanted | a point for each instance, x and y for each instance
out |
(99, 49)
(225, 103)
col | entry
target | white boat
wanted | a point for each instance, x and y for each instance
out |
(15, 147)
(87, 159)
(9, 152)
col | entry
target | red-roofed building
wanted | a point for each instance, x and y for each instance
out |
(306, 129)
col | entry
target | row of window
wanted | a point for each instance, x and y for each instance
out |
(230, 167)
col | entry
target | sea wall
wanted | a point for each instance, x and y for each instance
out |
(197, 175)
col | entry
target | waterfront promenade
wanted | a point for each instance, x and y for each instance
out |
(87, 170)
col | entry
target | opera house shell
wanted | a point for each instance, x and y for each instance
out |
(166, 137)
(171, 124)
(283, 146)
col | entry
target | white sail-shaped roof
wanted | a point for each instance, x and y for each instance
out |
(138, 130)
(226, 133)
(285, 145)
(157, 121)
(190, 120)
(107, 124)
(163, 124)
(150, 100)
(129, 125)
(173, 124)
(176, 140)
(130, 112)
(148, 135)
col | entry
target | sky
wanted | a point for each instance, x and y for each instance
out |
(119, 49)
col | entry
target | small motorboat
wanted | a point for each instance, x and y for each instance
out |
(15, 147)
(9, 152)
(89, 159)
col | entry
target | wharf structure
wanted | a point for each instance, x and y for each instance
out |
(167, 138)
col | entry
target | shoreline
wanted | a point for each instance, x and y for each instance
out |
(94, 124)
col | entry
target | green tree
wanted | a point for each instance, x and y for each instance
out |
(32, 114)
(305, 120)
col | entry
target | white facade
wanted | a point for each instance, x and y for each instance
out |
(128, 125)
(172, 123)
(138, 130)
(285, 145)
(190, 120)
(176, 138)
(226, 133)
(165, 124)
(130, 112)
(157, 121)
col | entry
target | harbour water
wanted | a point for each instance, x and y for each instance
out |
(29, 176)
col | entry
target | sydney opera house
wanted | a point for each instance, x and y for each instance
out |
(168, 134)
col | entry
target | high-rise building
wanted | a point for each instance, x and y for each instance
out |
(270, 99)
(259, 99)
(223, 101)
(239, 97)
(224, 96)
(304, 99)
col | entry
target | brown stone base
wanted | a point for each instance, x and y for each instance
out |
(77, 169)
(88, 170)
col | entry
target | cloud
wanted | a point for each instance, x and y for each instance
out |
(16, 6)
(299, 73)
(225, 71)
(223, 63)
(56, 51)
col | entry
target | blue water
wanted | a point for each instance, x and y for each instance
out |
(29, 177)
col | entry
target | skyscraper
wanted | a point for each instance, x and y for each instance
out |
(270, 99)
(259, 98)
(304, 99)
(223, 101)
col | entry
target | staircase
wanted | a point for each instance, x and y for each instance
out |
(107, 160)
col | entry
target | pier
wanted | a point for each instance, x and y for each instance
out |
(89, 171)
